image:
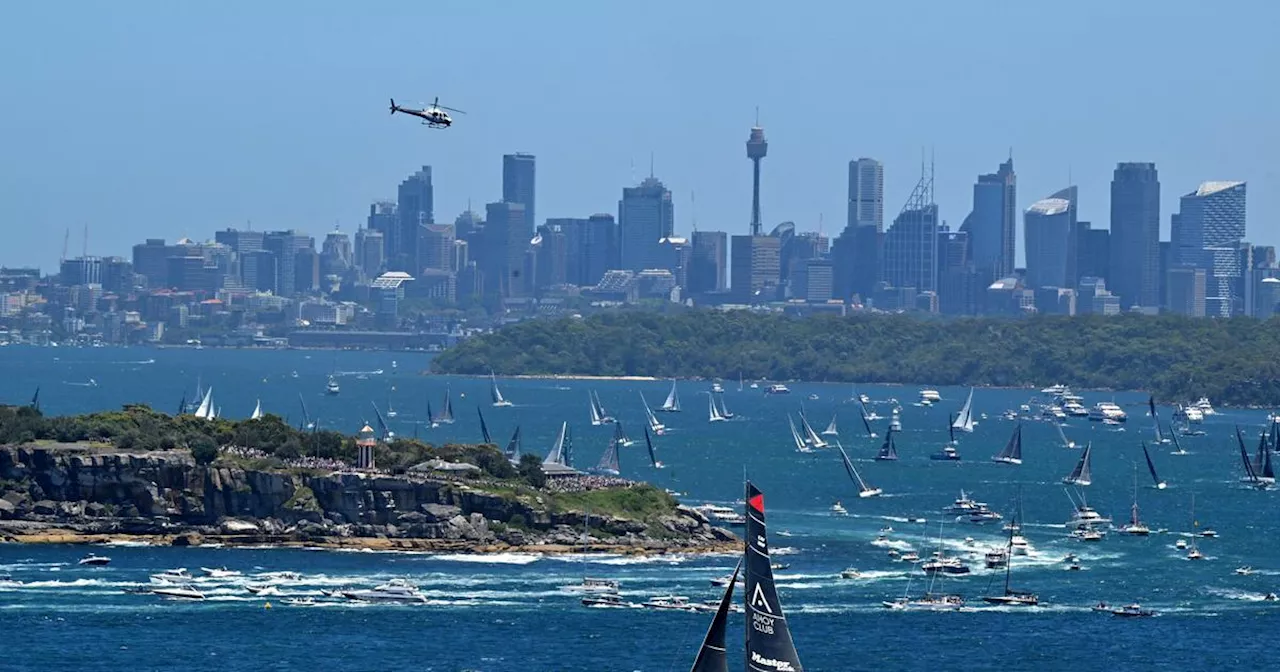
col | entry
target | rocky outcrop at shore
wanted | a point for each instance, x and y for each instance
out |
(62, 492)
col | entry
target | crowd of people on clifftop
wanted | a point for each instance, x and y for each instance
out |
(584, 483)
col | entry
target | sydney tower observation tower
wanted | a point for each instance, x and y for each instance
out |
(756, 150)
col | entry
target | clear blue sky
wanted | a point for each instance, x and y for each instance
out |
(169, 119)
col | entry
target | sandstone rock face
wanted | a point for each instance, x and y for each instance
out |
(168, 493)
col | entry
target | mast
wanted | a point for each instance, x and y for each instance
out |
(769, 646)
(484, 429)
(513, 446)
(648, 442)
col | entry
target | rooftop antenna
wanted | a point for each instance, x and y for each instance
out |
(66, 240)
(819, 224)
(693, 206)
(757, 115)
(84, 250)
(651, 163)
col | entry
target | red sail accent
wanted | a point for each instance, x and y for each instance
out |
(757, 503)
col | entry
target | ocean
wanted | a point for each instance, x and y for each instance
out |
(510, 612)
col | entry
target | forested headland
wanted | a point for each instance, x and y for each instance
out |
(1233, 362)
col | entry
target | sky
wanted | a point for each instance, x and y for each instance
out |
(164, 119)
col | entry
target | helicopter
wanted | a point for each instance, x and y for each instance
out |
(433, 116)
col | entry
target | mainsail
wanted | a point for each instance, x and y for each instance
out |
(619, 435)
(654, 425)
(257, 411)
(713, 413)
(712, 656)
(446, 415)
(1155, 419)
(831, 427)
(864, 490)
(1249, 474)
(609, 460)
(484, 429)
(964, 419)
(1082, 475)
(306, 417)
(1151, 467)
(811, 436)
(494, 393)
(801, 446)
(35, 399)
(769, 647)
(513, 446)
(598, 415)
(653, 458)
(382, 423)
(724, 410)
(559, 452)
(672, 404)
(888, 451)
(1012, 453)
(206, 412)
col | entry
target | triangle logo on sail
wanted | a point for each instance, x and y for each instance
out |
(759, 603)
(757, 503)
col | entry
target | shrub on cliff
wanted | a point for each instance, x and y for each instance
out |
(203, 448)
(530, 469)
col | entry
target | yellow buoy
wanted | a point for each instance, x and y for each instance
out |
(266, 606)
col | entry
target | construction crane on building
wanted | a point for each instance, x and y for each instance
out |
(66, 240)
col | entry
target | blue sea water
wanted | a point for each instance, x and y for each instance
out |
(509, 612)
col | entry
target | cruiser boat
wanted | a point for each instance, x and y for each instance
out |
(724, 581)
(1202, 404)
(180, 592)
(778, 388)
(1189, 415)
(94, 560)
(717, 388)
(590, 585)
(1107, 410)
(395, 590)
(331, 387)
(606, 601)
(965, 505)
(172, 576)
(944, 565)
(1057, 389)
(722, 514)
(838, 509)
(947, 454)
(927, 602)
(672, 603)
(1134, 610)
(895, 423)
(929, 397)
(219, 572)
(1244, 571)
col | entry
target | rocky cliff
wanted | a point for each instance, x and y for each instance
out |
(167, 495)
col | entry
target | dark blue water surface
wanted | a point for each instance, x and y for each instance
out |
(510, 612)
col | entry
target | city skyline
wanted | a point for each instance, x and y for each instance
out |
(294, 136)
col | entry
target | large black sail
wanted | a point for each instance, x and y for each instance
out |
(769, 646)
(712, 657)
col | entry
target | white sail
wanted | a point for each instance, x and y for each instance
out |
(556, 456)
(812, 436)
(495, 393)
(801, 446)
(713, 411)
(1066, 443)
(831, 427)
(724, 411)
(205, 411)
(257, 411)
(964, 419)
(654, 426)
(672, 404)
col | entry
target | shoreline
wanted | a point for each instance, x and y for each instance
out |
(195, 539)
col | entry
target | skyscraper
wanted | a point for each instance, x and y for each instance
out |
(911, 244)
(505, 243)
(992, 224)
(710, 260)
(757, 148)
(369, 251)
(646, 215)
(518, 183)
(1050, 236)
(1134, 273)
(866, 194)
(415, 206)
(753, 264)
(435, 248)
(1211, 216)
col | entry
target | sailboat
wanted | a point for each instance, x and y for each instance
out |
(654, 426)
(801, 445)
(1151, 466)
(724, 411)
(446, 414)
(964, 419)
(512, 450)
(811, 437)
(205, 410)
(257, 411)
(888, 451)
(1066, 443)
(1250, 474)
(484, 429)
(1193, 553)
(653, 458)
(1262, 464)
(1177, 445)
(1012, 453)
(866, 424)
(1012, 598)
(307, 422)
(1082, 475)
(432, 421)
(672, 404)
(948, 451)
(864, 490)
(495, 394)
(598, 415)
(739, 381)
(1155, 420)
(768, 643)
(713, 411)
(831, 427)
(561, 454)
(609, 464)
(387, 434)
(391, 411)
(621, 436)
(1135, 527)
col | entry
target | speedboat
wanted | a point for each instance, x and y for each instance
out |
(838, 509)
(180, 592)
(395, 590)
(93, 560)
(910, 556)
(777, 388)
(591, 585)
(1244, 571)
(1134, 610)
(716, 388)
(180, 575)
(1180, 544)
(723, 581)
(929, 397)
(262, 590)
(1203, 405)
(670, 603)
(850, 573)
(951, 566)
(606, 601)
(1208, 533)
(299, 601)
(1270, 597)
(1102, 608)
(948, 453)
(219, 572)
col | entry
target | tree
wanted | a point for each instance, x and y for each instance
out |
(531, 470)
(202, 448)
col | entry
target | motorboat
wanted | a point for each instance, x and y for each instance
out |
(281, 576)
(926, 602)
(1244, 571)
(1107, 410)
(1019, 545)
(838, 509)
(1270, 597)
(779, 566)
(1102, 608)
(94, 560)
(594, 585)
(178, 592)
(180, 575)
(722, 515)
(1202, 404)
(895, 422)
(219, 572)
(948, 453)
(1074, 566)
(929, 397)
(1085, 516)
(717, 388)
(1057, 389)
(910, 556)
(671, 603)
(850, 573)
(980, 517)
(942, 565)
(777, 388)
(395, 590)
(723, 581)
(262, 590)
(606, 601)
(299, 601)
(1180, 544)
(997, 558)
(331, 387)
(1134, 610)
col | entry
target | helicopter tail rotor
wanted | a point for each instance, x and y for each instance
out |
(393, 106)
